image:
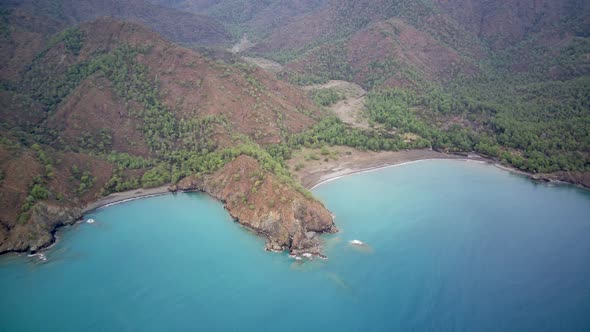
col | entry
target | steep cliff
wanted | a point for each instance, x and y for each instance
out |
(40, 231)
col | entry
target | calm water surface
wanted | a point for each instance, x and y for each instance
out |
(452, 246)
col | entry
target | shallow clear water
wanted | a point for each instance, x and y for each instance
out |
(453, 246)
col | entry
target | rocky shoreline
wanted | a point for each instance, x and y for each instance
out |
(58, 217)
(259, 215)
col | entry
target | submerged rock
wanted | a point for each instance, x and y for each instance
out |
(258, 200)
(360, 246)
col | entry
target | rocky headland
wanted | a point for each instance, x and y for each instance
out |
(258, 200)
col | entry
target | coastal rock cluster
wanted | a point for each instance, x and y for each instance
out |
(258, 200)
(581, 179)
(40, 231)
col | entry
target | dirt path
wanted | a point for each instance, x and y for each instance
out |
(350, 109)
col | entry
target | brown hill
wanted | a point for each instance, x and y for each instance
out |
(24, 37)
(93, 106)
(190, 86)
(256, 16)
(175, 25)
(374, 42)
(387, 53)
(441, 39)
(67, 151)
(438, 40)
(504, 23)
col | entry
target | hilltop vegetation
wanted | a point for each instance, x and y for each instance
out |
(508, 80)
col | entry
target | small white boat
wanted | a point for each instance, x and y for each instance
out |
(357, 243)
(90, 221)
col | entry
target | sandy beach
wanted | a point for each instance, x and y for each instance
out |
(125, 196)
(344, 161)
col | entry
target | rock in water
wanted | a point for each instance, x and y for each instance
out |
(361, 246)
(357, 243)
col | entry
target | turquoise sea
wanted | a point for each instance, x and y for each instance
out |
(452, 246)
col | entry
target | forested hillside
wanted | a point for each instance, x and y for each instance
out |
(110, 106)
(508, 79)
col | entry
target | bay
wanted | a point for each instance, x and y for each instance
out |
(450, 246)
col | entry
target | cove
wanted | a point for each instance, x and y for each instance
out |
(451, 246)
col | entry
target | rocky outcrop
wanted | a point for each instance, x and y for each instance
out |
(39, 231)
(581, 179)
(3, 233)
(256, 199)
